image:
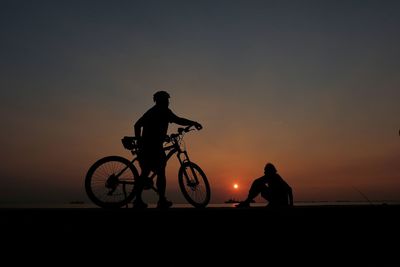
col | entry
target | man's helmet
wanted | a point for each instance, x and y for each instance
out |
(160, 95)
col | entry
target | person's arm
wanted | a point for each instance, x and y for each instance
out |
(138, 128)
(184, 122)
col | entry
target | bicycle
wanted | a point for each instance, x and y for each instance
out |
(110, 181)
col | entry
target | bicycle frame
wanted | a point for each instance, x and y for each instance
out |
(182, 156)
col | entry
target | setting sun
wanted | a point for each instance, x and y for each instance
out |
(236, 186)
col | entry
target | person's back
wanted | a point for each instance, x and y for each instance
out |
(155, 125)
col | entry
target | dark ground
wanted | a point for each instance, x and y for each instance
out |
(356, 235)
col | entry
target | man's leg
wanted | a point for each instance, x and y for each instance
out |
(139, 186)
(256, 188)
(266, 194)
(161, 182)
(161, 186)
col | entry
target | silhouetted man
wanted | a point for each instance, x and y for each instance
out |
(151, 130)
(272, 187)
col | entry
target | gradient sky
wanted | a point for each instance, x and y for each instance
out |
(311, 86)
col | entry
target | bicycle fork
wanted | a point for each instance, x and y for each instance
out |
(185, 159)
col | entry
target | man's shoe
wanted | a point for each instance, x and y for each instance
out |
(164, 204)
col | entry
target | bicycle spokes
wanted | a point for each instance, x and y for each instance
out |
(194, 184)
(110, 181)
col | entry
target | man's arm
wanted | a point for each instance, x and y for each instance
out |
(185, 122)
(138, 128)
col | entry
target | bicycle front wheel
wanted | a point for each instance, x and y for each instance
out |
(194, 185)
(109, 182)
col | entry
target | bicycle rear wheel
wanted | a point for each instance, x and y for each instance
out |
(194, 185)
(109, 182)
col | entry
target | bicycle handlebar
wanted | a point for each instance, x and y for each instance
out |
(181, 130)
(184, 130)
